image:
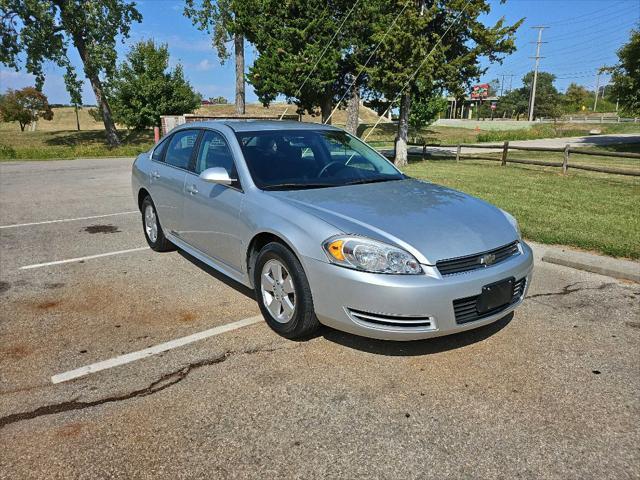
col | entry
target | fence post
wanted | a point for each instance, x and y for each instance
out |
(505, 152)
(458, 152)
(565, 161)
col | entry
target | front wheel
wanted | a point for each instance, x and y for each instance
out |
(283, 292)
(152, 229)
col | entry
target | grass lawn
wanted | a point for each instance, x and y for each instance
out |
(594, 212)
(42, 145)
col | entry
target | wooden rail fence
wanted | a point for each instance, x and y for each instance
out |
(564, 164)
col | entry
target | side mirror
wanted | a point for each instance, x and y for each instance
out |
(217, 175)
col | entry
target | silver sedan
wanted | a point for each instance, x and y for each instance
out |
(328, 231)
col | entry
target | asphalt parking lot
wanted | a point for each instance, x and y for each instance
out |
(551, 392)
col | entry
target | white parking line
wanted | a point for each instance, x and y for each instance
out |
(147, 352)
(67, 219)
(82, 259)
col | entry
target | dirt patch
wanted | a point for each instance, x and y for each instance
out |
(70, 430)
(102, 229)
(188, 317)
(16, 352)
(632, 324)
(48, 305)
(4, 286)
(54, 285)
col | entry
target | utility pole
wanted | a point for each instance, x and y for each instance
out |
(502, 84)
(532, 101)
(595, 102)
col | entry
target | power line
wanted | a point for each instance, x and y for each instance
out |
(367, 62)
(417, 69)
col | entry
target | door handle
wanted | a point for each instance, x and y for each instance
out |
(155, 174)
(192, 189)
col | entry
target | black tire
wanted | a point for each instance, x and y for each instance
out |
(304, 322)
(161, 244)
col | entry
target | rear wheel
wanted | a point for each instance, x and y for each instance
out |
(283, 292)
(152, 229)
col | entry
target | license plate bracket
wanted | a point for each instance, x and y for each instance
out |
(495, 295)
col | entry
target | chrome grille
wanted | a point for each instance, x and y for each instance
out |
(465, 308)
(472, 262)
(396, 321)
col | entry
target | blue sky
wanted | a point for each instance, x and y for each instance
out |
(582, 36)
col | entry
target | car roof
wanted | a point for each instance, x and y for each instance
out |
(248, 125)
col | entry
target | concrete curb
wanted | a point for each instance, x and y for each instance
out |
(589, 262)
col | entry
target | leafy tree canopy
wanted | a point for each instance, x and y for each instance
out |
(143, 88)
(24, 106)
(626, 75)
(576, 97)
(42, 30)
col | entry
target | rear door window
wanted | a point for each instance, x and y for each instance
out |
(180, 148)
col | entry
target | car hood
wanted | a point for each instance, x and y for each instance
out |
(431, 221)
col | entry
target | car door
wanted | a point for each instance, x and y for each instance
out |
(168, 173)
(212, 211)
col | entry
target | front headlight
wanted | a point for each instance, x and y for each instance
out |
(514, 223)
(370, 256)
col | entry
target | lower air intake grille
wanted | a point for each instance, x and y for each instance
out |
(396, 321)
(465, 308)
(479, 260)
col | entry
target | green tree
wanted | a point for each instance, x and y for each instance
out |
(220, 19)
(300, 45)
(576, 97)
(24, 106)
(626, 75)
(548, 101)
(74, 87)
(218, 100)
(425, 110)
(143, 88)
(435, 43)
(42, 30)
(513, 104)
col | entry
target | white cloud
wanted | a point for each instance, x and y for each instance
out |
(204, 65)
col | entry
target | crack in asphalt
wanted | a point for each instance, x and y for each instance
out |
(164, 382)
(569, 289)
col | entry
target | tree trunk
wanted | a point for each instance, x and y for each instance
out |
(77, 118)
(96, 85)
(403, 131)
(239, 52)
(353, 110)
(326, 105)
(22, 125)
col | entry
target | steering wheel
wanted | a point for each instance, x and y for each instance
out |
(329, 165)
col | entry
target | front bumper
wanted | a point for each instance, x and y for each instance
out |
(424, 299)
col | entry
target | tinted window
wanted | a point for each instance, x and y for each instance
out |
(312, 159)
(180, 148)
(214, 152)
(158, 152)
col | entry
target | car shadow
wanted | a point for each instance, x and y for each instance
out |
(238, 287)
(416, 347)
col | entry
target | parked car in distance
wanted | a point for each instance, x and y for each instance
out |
(328, 231)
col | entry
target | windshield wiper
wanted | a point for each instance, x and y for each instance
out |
(297, 186)
(370, 180)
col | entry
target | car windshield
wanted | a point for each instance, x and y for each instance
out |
(297, 159)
